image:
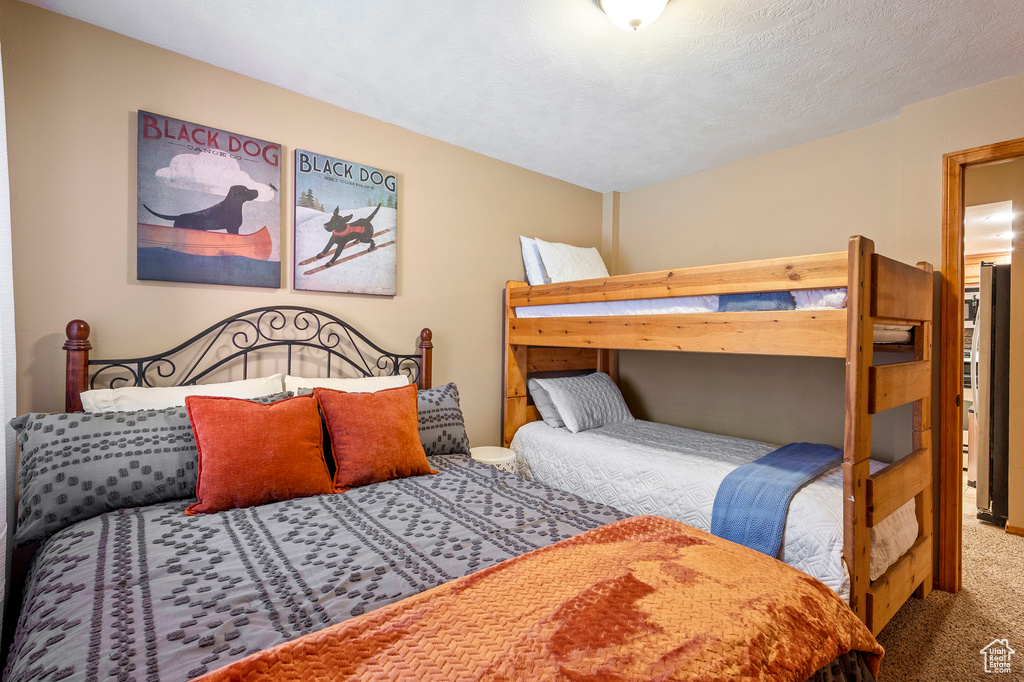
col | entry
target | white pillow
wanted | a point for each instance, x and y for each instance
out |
(132, 398)
(566, 263)
(535, 273)
(349, 385)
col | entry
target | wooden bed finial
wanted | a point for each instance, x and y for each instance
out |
(426, 350)
(77, 332)
(77, 349)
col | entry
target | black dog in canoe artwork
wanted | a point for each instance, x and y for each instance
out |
(225, 215)
(342, 232)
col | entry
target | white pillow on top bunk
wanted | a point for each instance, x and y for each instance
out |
(587, 402)
(132, 398)
(535, 273)
(566, 263)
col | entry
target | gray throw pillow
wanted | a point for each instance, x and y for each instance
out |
(542, 401)
(442, 427)
(587, 402)
(74, 466)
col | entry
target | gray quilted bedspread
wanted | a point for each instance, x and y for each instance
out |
(151, 594)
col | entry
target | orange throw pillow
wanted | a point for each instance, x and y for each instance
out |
(250, 453)
(375, 436)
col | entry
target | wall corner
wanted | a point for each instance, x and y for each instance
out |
(610, 231)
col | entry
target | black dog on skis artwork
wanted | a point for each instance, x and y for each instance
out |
(225, 215)
(342, 232)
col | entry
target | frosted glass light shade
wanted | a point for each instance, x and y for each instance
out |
(632, 15)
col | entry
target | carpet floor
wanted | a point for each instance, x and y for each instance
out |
(941, 637)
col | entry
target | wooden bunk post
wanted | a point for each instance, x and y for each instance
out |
(857, 443)
(902, 294)
(923, 441)
(513, 393)
(608, 362)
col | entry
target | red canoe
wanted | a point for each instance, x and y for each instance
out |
(257, 245)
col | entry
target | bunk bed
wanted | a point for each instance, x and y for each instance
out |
(881, 292)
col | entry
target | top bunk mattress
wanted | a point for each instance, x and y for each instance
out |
(803, 299)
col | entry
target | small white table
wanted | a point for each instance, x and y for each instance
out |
(499, 458)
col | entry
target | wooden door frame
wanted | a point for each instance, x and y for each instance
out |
(951, 351)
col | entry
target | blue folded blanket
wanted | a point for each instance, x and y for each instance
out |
(753, 500)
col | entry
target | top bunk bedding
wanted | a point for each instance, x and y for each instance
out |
(800, 299)
(814, 299)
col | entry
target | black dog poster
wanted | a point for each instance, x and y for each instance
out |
(346, 226)
(209, 208)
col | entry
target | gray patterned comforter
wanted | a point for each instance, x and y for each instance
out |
(152, 594)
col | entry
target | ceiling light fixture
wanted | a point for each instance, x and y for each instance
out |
(632, 15)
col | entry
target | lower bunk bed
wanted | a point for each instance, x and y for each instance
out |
(466, 572)
(644, 467)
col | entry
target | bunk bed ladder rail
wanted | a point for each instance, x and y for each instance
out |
(882, 290)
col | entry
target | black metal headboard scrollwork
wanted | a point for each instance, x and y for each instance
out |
(237, 341)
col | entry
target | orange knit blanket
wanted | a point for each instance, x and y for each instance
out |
(645, 598)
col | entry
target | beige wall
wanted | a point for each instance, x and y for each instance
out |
(986, 185)
(72, 93)
(883, 181)
(806, 199)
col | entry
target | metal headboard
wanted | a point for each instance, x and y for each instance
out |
(235, 341)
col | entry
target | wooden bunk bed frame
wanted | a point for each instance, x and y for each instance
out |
(880, 291)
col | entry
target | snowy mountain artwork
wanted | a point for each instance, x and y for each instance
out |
(209, 207)
(346, 226)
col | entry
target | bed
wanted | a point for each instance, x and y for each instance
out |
(146, 591)
(888, 310)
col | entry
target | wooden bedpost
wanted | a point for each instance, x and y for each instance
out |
(426, 356)
(608, 362)
(76, 377)
(857, 444)
(513, 394)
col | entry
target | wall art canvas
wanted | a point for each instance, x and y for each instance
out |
(346, 226)
(209, 207)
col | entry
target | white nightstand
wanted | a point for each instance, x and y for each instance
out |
(500, 458)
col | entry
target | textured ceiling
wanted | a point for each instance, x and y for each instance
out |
(552, 86)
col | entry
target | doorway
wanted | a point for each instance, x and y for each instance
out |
(955, 165)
